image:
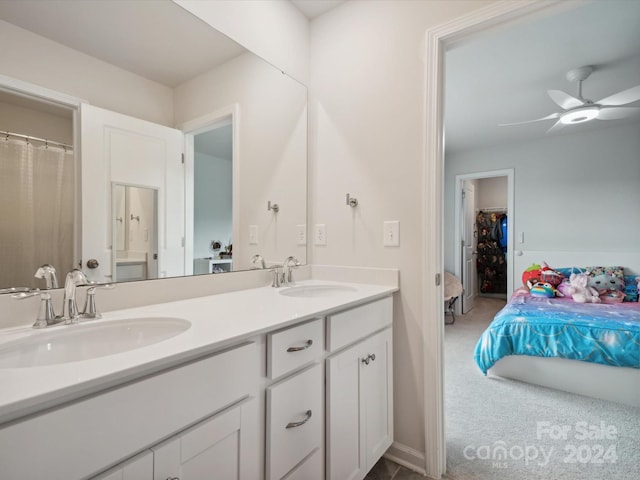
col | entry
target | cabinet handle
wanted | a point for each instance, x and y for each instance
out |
(173, 478)
(304, 347)
(369, 358)
(297, 424)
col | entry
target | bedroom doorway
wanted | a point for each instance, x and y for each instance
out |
(483, 234)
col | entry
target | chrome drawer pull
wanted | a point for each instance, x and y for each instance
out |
(369, 358)
(297, 424)
(297, 349)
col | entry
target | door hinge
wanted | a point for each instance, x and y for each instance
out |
(464, 194)
(437, 279)
(182, 156)
(182, 241)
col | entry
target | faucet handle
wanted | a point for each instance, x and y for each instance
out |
(46, 314)
(278, 276)
(90, 310)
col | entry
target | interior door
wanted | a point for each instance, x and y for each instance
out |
(126, 150)
(469, 273)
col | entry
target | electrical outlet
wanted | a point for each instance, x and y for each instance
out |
(253, 234)
(391, 231)
(321, 234)
(301, 234)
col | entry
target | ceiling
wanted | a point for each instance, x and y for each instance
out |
(502, 76)
(158, 40)
(314, 8)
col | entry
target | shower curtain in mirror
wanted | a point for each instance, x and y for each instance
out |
(36, 211)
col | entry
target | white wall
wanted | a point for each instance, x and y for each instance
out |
(273, 29)
(42, 62)
(491, 192)
(212, 205)
(17, 119)
(366, 138)
(272, 148)
(575, 192)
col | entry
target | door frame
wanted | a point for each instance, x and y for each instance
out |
(211, 121)
(459, 218)
(437, 39)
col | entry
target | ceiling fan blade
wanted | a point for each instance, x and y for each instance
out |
(564, 100)
(556, 126)
(614, 113)
(629, 95)
(548, 117)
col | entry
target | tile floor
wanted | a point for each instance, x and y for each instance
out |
(387, 470)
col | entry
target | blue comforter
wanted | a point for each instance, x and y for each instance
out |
(558, 327)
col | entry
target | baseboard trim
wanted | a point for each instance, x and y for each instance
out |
(407, 457)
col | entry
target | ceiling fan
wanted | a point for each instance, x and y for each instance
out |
(579, 109)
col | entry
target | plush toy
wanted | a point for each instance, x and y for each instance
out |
(544, 289)
(631, 291)
(531, 275)
(604, 279)
(580, 290)
(612, 296)
(549, 275)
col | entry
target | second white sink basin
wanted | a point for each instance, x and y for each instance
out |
(316, 290)
(88, 340)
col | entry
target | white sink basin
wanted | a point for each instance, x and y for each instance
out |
(312, 291)
(88, 340)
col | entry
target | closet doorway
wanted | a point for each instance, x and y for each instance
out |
(483, 250)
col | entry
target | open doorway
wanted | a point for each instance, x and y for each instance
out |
(483, 234)
(211, 175)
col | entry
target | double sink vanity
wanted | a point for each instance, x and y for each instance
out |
(292, 382)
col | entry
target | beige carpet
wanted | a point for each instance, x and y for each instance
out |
(484, 414)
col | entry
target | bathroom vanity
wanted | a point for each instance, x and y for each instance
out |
(270, 383)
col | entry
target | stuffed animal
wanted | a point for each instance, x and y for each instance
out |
(544, 289)
(606, 278)
(580, 290)
(549, 275)
(531, 275)
(631, 291)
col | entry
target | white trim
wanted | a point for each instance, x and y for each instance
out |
(22, 88)
(406, 456)
(436, 38)
(224, 116)
(457, 236)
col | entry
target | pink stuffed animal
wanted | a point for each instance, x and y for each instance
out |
(580, 290)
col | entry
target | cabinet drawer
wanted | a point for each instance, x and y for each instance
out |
(294, 347)
(295, 419)
(312, 468)
(347, 327)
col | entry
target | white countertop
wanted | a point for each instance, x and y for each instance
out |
(217, 321)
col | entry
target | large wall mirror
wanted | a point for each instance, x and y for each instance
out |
(170, 164)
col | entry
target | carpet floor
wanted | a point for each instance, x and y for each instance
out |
(503, 429)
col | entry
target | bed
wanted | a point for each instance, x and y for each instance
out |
(589, 349)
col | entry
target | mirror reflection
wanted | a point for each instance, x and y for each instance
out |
(174, 87)
(135, 233)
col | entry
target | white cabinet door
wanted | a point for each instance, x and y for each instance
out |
(139, 467)
(376, 392)
(217, 448)
(359, 407)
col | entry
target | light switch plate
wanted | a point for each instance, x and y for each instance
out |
(301, 234)
(391, 231)
(320, 234)
(253, 234)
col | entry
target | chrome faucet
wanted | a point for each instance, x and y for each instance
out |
(46, 316)
(48, 272)
(258, 260)
(69, 306)
(287, 270)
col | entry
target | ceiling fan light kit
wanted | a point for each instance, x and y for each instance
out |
(577, 109)
(580, 115)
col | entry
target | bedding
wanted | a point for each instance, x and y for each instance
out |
(559, 327)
